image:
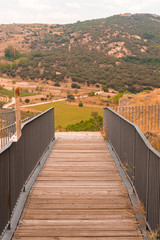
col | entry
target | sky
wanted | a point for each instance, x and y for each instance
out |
(70, 11)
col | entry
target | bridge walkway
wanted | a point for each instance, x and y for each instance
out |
(78, 195)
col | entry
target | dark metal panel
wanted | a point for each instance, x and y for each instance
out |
(17, 180)
(111, 123)
(127, 148)
(4, 189)
(153, 193)
(141, 165)
(32, 151)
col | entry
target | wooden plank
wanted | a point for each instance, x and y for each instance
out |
(107, 173)
(49, 177)
(80, 159)
(79, 168)
(78, 195)
(78, 238)
(74, 233)
(97, 155)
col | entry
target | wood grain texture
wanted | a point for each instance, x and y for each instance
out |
(79, 195)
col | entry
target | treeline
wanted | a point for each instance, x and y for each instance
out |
(131, 74)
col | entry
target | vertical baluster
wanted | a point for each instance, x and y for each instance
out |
(138, 115)
(155, 119)
(1, 128)
(142, 117)
(149, 117)
(158, 116)
(145, 117)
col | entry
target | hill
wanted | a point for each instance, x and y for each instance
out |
(121, 51)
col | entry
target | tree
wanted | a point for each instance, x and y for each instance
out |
(11, 53)
(104, 88)
(27, 100)
(70, 97)
(57, 84)
(74, 85)
(80, 104)
(91, 94)
(120, 90)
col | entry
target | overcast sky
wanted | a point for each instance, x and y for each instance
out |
(70, 11)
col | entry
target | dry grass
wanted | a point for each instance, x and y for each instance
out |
(154, 235)
(154, 140)
(144, 98)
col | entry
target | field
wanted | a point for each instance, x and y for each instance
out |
(67, 114)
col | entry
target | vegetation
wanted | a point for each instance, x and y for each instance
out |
(116, 98)
(105, 88)
(2, 103)
(66, 114)
(91, 94)
(70, 98)
(10, 94)
(57, 84)
(74, 85)
(27, 100)
(11, 53)
(80, 104)
(90, 59)
(28, 114)
(154, 139)
(89, 125)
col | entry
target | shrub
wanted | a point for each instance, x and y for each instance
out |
(57, 84)
(11, 53)
(94, 115)
(88, 125)
(27, 100)
(120, 90)
(91, 94)
(104, 88)
(70, 97)
(74, 85)
(80, 104)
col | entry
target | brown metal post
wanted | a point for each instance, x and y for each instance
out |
(18, 114)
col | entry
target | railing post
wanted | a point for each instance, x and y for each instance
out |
(18, 114)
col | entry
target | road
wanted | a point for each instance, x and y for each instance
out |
(58, 100)
(7, 105)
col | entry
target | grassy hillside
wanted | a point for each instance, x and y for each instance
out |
(119, 51)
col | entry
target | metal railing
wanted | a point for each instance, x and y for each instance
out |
(7, 125)
(18, 160)
(140, 160)
(147, 117)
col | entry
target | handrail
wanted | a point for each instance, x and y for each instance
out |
(138, 130)
(140, 159)
(19, 159)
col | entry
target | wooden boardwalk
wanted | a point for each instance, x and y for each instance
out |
(79, 195)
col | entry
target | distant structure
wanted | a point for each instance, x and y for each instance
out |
(126, 14)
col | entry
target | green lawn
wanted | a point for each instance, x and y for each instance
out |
(68, 114)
